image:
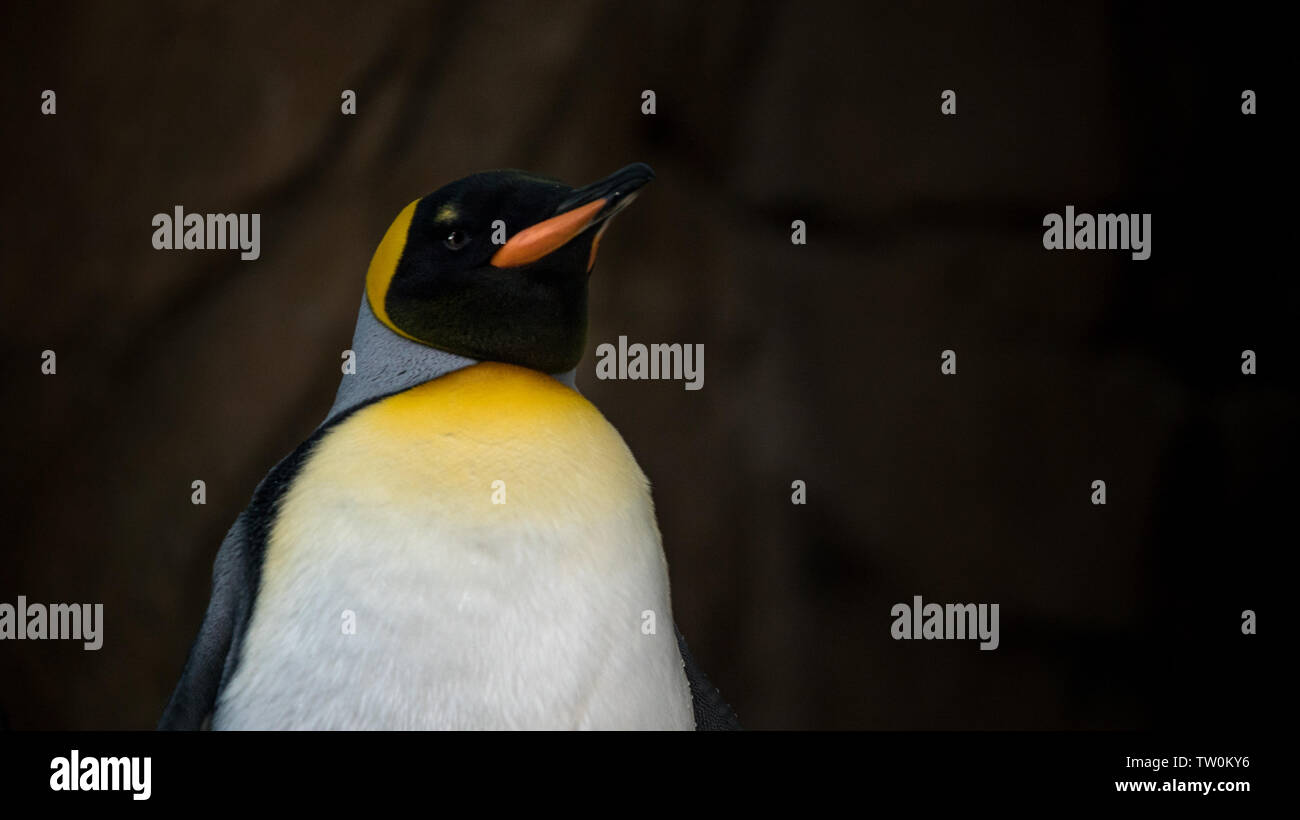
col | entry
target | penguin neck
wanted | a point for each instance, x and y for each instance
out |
(387, 363)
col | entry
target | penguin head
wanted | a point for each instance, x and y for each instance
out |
(495, 266)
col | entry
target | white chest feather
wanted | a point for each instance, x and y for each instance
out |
(399, 593)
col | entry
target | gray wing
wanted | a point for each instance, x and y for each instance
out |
(712, 713)
(217, 644)
(236, 576)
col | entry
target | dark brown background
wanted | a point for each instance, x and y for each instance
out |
(822, 362)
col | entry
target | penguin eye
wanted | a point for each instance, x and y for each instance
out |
(456, 240)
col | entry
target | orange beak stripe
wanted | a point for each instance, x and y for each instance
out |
(536, 241)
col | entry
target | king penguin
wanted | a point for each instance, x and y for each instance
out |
(465, 542)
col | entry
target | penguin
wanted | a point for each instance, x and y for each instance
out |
(465, 542)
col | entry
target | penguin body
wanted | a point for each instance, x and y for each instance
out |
(465, 542)
(468, 613)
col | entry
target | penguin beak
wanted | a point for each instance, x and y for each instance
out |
(586, 207)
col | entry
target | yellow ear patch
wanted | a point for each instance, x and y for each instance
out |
(384, 264)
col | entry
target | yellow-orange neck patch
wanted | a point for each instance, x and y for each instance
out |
(384, 264)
